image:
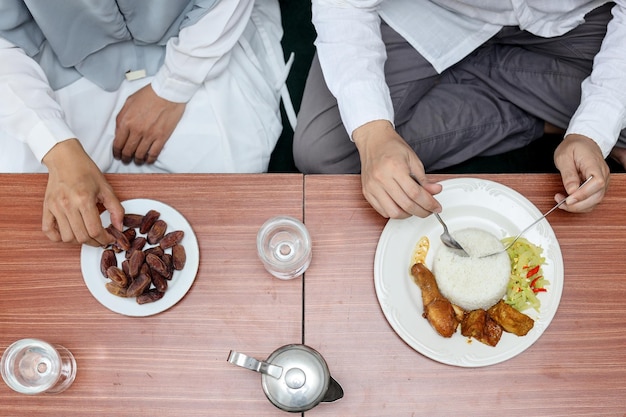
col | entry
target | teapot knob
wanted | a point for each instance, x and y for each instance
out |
(295, 378)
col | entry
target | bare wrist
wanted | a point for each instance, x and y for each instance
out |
(63, 153)
(373, 128)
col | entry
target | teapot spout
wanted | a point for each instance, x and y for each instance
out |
(334, 391)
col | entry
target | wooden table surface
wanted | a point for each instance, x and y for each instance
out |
(577, 367)
(173, 363)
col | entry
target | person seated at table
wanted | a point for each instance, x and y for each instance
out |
(399, 88)
(122, 86)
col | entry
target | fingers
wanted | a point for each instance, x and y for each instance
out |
(586, 198)
(49, 226)
(115, 209)
(143, 126)
(71, 225)
(578, 158)
(403, 197)
(126, 144)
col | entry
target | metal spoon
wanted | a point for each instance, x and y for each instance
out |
(446, 237)
(535, 222)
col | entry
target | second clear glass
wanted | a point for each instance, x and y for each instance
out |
(33, 366)
(284, 247)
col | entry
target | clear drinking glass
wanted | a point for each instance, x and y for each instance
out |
(32, 366)
(284, 247)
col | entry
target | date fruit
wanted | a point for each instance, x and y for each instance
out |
(134, 263)
(148, 220)
(107, 260)
(171, 239)
(179, 257)
(120, 238)
(139, 285)
(132, 221)
(156, 232)
(118, 276)
(150, 296)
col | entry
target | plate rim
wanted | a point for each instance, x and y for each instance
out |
(172, 296)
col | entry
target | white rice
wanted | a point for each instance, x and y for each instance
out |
(472, 282)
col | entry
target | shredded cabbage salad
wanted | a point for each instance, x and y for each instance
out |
(527, 279)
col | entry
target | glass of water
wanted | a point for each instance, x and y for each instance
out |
(32, 366)
(284, 247)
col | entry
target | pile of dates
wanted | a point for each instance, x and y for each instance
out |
(151, 257)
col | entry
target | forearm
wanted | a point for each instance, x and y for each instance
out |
(352, 55)
(28, 111)
(602, 111)
(201, 51)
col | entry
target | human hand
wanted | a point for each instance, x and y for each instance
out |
(143, 125)
(75, 187)
(387, 163)
(577, 158)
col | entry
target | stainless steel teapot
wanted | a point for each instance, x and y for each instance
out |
(295, 377)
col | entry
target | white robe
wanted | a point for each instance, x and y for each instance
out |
(231, 124)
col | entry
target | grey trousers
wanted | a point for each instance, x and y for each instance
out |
(493, 101)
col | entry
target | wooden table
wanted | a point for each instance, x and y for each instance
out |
(577, 367)
(173, 363)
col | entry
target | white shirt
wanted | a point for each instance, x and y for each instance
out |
(352, 53)
(28, 111)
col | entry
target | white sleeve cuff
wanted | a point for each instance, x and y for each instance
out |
(167, 86)
(357, 108)
(45, 134)
(599, 120)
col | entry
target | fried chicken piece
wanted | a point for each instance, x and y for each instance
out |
(437, 309)
(510, 319)
(479, 325)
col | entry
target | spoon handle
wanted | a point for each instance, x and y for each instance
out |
(545, 214)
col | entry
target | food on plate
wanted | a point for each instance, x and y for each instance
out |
(437, 309)
(482, 327)
(527, 279)
(472, 282)
(421, 251)
(107, 260)
(477, 304)
(144, 273)
(510, 319)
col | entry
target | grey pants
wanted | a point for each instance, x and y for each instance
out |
(493, 101)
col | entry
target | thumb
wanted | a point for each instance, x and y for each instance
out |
(571, 182)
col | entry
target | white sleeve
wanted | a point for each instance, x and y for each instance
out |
(602, 111)
(28, 111)
(201, 51)
(352, 56)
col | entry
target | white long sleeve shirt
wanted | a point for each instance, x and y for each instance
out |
(28, 111)
(352, 53)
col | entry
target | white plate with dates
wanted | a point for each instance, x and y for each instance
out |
(466, 202)
(177, 287)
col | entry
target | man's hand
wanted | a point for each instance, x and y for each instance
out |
(577, 158)
(387, 163)
(75, 187)
(143, 126)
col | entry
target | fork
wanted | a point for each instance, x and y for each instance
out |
(445, 237)
(535, 222)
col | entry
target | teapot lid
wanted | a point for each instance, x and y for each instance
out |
(304, 379)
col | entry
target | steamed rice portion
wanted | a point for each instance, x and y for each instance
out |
(472, 282)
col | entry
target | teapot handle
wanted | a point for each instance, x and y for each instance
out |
(240, 359)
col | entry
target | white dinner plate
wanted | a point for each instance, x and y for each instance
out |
(466, 202)
(177, 286)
